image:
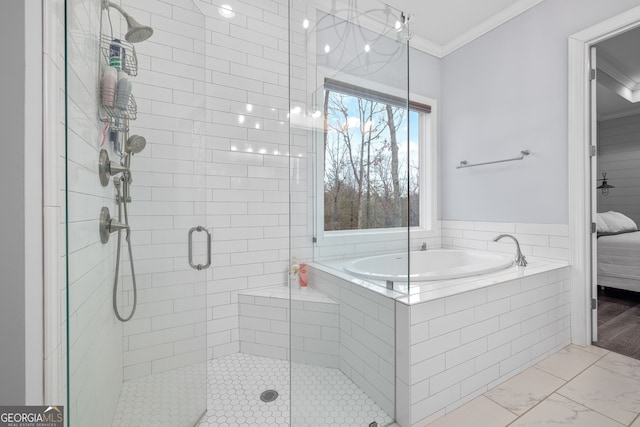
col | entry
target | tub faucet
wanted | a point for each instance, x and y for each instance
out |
(520, 259)
(424, 246)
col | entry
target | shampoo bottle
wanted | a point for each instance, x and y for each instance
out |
(304, 271)
(124, 91)
(108, 86)
(115, 54)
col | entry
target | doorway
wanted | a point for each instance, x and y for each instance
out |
(616, 198)
(583, 171)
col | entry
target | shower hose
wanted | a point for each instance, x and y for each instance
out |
(121, 202)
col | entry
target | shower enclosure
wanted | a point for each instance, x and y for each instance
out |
(199, 205)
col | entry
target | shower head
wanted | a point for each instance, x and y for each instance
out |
(135, 144)
(136, 32)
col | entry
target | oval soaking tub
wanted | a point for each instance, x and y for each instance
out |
(434, 264)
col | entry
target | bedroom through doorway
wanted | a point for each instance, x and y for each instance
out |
(617, 193)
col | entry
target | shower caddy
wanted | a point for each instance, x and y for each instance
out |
(115, 117)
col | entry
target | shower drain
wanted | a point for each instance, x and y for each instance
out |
(268, 395)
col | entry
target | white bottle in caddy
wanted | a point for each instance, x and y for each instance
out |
(124, 90)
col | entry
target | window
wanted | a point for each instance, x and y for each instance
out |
(373, 164)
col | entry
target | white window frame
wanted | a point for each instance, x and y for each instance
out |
(428, 181)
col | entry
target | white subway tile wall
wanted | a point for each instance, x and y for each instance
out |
(539, 240)
(213, 99)
(95, 347)
(367, 343)
(264, 325)
(462, 345)
(169, 196)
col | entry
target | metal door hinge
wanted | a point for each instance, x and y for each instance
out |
(593, 227)
(315, 239)
(592, 150)
(594, 304)
(592, 74)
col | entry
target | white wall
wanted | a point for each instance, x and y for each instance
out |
(53, 200)
(20, 261)
(619, 157)
(33, 286)
(505, 92)
(12, 252)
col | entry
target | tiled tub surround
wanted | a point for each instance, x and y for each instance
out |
(366, 333)
(458, 338)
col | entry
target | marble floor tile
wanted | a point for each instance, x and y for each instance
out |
(595, 350)
(524, 390)
(624, 365)
(568, 362)
(484, 413)
(607, 392)
(558, 410)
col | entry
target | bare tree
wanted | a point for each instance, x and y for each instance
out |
(363, 167)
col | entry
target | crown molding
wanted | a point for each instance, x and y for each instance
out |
(426, 46)
(617, 86)
(619, 115)
(341, 8)
(495, 21)
(606, 66)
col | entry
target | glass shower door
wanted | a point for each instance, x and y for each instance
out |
(138, 247)
(351, 129)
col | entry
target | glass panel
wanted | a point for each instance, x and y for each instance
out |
(136, 309)
(351, 116)
(248, 153)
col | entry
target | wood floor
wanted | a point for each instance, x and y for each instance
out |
(619, 321)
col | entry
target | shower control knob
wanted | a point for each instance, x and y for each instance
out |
(106, 168)
(109, 225)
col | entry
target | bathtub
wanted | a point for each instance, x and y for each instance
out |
(436, 264)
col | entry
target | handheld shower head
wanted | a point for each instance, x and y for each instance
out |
(136, 32)
(135, 144)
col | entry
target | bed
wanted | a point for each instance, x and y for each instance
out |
(618, 252)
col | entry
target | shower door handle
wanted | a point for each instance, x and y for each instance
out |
(199, 266)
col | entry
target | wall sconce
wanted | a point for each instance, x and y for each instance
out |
(604, 187)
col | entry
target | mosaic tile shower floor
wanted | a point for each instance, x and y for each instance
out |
(168, 399)
(322, 396)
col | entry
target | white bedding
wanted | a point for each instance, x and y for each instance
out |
(619, 261)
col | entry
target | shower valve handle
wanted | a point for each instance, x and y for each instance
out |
(107, 168)
(109, 225)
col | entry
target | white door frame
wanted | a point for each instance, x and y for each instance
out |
(579, 166)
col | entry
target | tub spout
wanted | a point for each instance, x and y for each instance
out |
(520, 260)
